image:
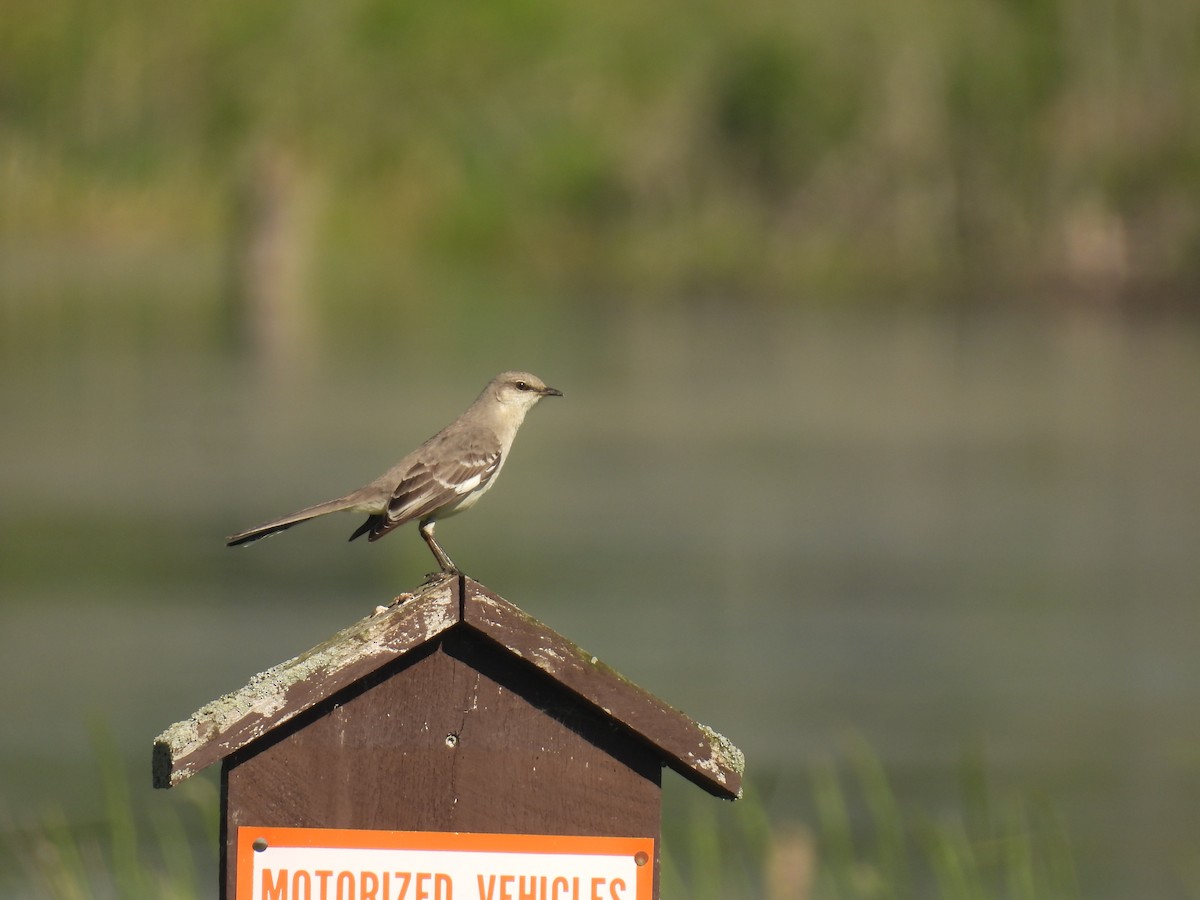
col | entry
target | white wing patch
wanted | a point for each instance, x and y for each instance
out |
(469, 485)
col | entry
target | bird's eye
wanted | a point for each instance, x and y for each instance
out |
(522, 386)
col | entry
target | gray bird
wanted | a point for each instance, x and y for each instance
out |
(445, 475)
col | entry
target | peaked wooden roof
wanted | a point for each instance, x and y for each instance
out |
(273, 697)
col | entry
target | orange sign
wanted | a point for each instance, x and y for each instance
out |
(355, 864)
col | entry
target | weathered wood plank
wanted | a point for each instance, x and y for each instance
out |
(288, 689)
(697, 752)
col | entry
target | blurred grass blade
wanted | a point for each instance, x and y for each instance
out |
(890, 851)
(128, 872)
(836, 840)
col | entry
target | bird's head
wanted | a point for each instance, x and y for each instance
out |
(520, 389)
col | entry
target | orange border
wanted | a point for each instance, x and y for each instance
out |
(450, 841)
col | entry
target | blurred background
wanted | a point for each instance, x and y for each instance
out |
(877, 328)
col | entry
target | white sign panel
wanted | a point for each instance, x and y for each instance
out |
(354, 864)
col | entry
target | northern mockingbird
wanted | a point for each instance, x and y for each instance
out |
(445, 475)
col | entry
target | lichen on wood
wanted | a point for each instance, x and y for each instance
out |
(271, 697)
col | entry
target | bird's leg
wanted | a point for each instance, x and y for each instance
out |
(447, 564)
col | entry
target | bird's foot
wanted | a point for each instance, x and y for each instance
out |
(441, 575)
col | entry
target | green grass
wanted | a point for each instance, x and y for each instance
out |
(856, 841)
(164, 852)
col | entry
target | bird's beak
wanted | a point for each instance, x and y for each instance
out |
(551, 392)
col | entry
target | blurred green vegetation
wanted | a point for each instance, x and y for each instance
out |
(935, 152)
(856, 841)
(135, 851)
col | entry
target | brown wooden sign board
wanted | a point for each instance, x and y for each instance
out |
(453, 711)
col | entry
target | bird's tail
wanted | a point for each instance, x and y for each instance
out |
(278, 525)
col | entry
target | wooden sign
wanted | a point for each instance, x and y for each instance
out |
(450, 714)
(358, 864)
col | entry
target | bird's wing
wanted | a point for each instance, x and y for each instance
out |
(432, 483)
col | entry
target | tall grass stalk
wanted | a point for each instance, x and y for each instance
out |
(885, 813)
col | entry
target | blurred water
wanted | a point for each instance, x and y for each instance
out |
(942, 534)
